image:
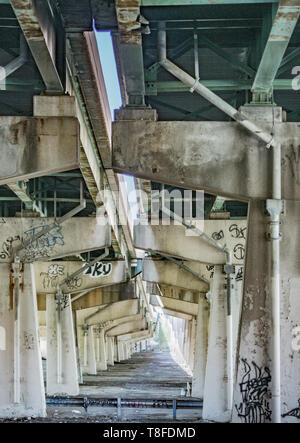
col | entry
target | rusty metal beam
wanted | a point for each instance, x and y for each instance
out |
(38, 28)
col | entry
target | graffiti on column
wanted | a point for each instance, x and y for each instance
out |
(239, 251)
(50, 278)
(237, 232)
(44, 245)
(7, 247)
(29, 342)
(239, 275)
(99, 270)
(211, 269)
(64, 301)
(254, 388)
(294, 412)
(218, 235)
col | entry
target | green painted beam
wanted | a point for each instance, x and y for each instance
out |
(202, 2)
(282, 29)
(288, 62)
(232, 60)
(154, 88)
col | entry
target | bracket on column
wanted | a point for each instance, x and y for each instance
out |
(274, 208)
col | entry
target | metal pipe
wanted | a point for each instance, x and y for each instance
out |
(59, 298)
(85, 345)
(16, 301)
(274, 208)
(118, 402)
(206, 93)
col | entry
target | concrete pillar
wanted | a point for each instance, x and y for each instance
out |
(128, 346)
(125, 351)
(110, 351)
(143, 346)
(193, 325)
(121, 355)
(21, 376)
(255, 341)
(89, 364)
(69, 371)
(102, 362)
(116, 357)
(186, 343)
(200, 348)
(215, 387)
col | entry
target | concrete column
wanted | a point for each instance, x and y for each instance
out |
(116, 357)
(200, 348)
(69, 371)
(102, 363)
(193, 325)
(128, 346)
(110, 351)
(143, 346)
(125, 353)
(89, 364)
(215, 387)
(186, 343)
(21, 376)
(121, 355)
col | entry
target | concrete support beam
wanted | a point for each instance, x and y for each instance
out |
(21, 377)
(32, 147)
(243, 173)
(128, 327)
(73, 236)
(177, 306)
(49, 276)
(106, 295)
(38, 27)
(173, 292)
(177, 241)
(69, 371)
(168, 273)
(109, 312)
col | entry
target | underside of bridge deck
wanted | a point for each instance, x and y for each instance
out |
(149, 254)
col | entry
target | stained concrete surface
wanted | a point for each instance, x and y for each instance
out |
(147, 375)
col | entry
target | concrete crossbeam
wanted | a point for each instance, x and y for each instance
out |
(73, 236)
(128, 327)
(176, 241)
(176, 305)
(32, 147)
(108, 313)
(50, 276)
(168, 273)
(204, 155)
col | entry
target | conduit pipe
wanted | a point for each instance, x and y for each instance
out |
(206, 93)
(274, 208)
(16, 301)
